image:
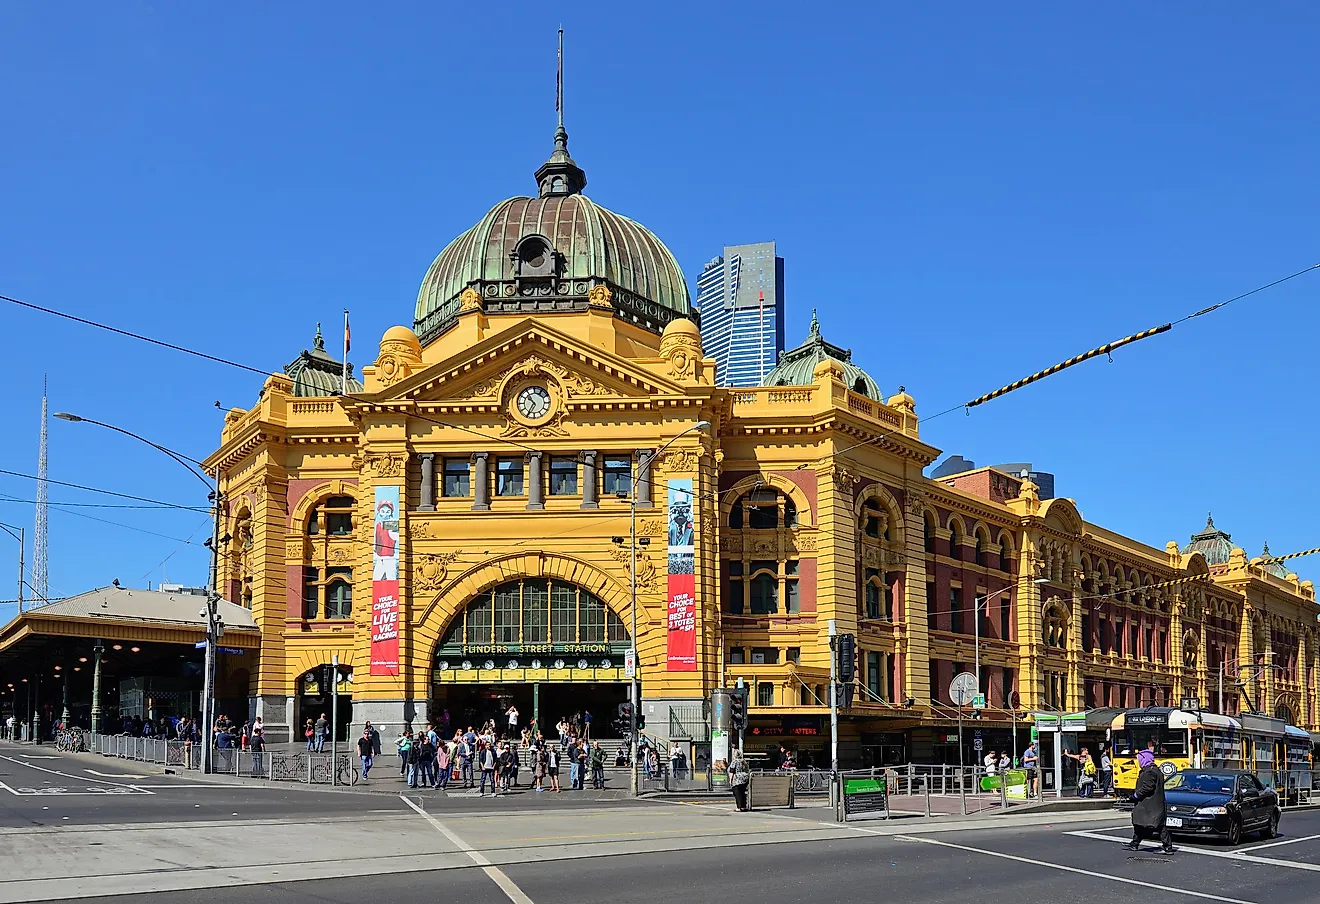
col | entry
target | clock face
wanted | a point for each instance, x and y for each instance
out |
(534, 402)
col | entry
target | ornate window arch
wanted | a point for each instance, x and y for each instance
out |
(325, 521)
(957, 530)
(1055, 625)
(760, 556)
(929, 525)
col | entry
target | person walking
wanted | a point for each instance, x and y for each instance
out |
(403, 746)
(583, 756)
(512, 713)
(586, 724)
(552, 766)
(322, 732)
(309, 732)
(466, 754)
(257, 744)
(1031, 763)
(597, 766)
(738, 779)
(366, 753)
(486, 759)
(442, 766)
(1148, 812)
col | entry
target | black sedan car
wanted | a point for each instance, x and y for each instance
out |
(1222, 802)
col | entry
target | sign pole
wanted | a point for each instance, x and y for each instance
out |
(334, 719)
(834, 702)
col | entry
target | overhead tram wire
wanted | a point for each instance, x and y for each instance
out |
(78, 486)
(1105, 349)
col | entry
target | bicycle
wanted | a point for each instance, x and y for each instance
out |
(70, 740)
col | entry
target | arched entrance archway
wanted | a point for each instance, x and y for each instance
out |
(549, 648)
(315, 696)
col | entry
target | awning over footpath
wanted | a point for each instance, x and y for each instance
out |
(130, 616)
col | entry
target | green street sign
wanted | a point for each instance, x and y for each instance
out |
(978, 702)
(1035, 733)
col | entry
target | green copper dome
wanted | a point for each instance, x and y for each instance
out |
(797, 367)
(316, 373)
(1214, 544)
(545, 254)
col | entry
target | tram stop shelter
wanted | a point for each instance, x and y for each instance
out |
(114, 653)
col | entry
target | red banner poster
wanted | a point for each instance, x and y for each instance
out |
(682, 622)
(385, 584)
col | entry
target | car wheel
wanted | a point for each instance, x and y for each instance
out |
(1234, 832)
(1271, 830)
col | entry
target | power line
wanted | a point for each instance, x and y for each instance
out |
(95, 505)
(140, 530)
(131, 335)
(77, 486)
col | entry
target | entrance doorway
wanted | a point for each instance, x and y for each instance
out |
(474, 704)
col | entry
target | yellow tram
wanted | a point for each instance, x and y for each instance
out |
(1278, 753)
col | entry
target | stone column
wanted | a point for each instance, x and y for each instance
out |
(645, 459)
(481, 482)
(589, 500)
(535, 485)
(427, 501)
(98, 650)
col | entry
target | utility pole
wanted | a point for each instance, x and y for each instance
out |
(834, 700)
(334, 719)
(632, 589)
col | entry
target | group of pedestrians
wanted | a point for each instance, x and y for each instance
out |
(1095, 774)
(484, 759)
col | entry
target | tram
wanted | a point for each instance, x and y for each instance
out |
(1279, 754)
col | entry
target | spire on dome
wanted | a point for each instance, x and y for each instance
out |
(559, 175)
(815, 325)
(318, 342)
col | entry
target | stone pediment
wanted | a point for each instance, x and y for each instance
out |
(484, 376)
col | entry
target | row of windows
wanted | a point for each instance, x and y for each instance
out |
(1141, 641)
(961, 614)
(562, 474)
(763, 509)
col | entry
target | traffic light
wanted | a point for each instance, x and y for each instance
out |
(641, 721)
(738, 708)
(847, 652)
(843, 695)
(623, 722)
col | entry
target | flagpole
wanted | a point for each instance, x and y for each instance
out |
(343, 380)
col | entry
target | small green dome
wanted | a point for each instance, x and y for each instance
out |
(316, 373)
(545, 254)
(797, 367)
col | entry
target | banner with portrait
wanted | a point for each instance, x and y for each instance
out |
(385, 583)
(682, 600)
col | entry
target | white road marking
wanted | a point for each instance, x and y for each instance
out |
(34, 756)
(1243, 856)
(497, 875)
(1072, 869)
(1261, 847)
(119, 774)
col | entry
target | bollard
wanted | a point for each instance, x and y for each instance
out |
(926, 788)
(1003, 791)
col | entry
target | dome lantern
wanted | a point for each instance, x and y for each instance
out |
(797, 367)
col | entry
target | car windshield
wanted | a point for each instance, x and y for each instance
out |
(1201, 782)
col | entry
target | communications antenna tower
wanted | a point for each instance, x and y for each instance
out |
(41, 541)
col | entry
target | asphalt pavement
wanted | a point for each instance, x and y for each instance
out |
(177, 836)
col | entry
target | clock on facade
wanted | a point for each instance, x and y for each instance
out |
(534, 402)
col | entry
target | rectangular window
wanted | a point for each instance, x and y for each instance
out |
(805, 697)
(478, 619)
(1086, 634)
(737, 590)
(563, 613)
(1005, 617)
(617, 476)
(1118, 637)
(563, 477)
(794, 654)
(535, 611)
(1134, 647)
(932, 619)
(737, 656)
(508, 608)
(1150, 644)
(874, 679)
(955, 610)
(311, 593)
(792, 604)
(765, 655)
(1007, 701)
(765, 693)
(458, 481)
(339, 524)
(509, 477)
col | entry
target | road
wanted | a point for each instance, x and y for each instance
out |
(185, 838)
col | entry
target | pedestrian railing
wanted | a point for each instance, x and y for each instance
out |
(304, 767)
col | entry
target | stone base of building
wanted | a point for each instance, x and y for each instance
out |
(276, 714)
(388, 717)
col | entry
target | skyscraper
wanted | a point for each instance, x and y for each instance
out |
(741, 299)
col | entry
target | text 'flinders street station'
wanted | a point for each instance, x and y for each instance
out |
(458, 529)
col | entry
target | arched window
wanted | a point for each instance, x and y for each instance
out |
(1056, 628)
(339, 593)
(928, 526)
(982, 554)
(535, 616)
(736, 516)
(955, 541)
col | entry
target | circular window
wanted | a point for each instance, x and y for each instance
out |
(533, 253)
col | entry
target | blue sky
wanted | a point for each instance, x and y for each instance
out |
(967, 194)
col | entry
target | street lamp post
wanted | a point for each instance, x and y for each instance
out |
(634, 693)
(9, 529)
(213, 626)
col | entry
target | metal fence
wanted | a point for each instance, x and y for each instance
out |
(302, 766)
